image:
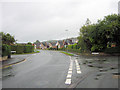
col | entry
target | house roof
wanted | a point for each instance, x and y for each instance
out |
(43, 43)
(69, 41)
(61, 43)
(53, 43)
(65, 43)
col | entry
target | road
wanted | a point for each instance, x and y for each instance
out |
(51, 69)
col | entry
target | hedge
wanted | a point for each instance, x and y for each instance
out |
(74, 46)
(28, 48)
(6, 50)
(22, 48)
(19, 49)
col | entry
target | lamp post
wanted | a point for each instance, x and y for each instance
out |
(67, 45)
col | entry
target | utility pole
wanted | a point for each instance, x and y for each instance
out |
(119, 8)
(66, 39)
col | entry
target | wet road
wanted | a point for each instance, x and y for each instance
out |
(52, 69)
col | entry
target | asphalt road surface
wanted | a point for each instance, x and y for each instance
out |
(52, 69)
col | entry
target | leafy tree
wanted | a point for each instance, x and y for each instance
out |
(37, 43)
(96, 37)
(29, 43)
(7, 38)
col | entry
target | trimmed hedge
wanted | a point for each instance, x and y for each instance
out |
(19, 49)
(28, 48)
(22, 48)
(74, 46)
(6, 50)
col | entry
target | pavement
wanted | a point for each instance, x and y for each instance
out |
(52, 69)
(15, 59)
(98, 72)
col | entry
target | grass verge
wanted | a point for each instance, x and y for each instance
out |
(67, 53)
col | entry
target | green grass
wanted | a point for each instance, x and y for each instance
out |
(37, 51)
(67, 53)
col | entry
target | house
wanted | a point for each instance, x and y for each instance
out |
(74, 40)
(47, 45)
(65, 43)
(42, 45)
(52, 45)
(69, 41)
(37, 45)
(61, 44)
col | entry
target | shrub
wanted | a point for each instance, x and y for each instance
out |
(70, 46)
(6, 50)
(28, 48)
(22, 48)
(13, 47)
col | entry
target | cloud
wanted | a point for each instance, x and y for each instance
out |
(30, 20)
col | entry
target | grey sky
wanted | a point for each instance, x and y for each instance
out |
(29, 20)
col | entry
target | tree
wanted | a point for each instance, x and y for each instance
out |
(7, 38)
(37, 44)
(29, 43)
(95, 37)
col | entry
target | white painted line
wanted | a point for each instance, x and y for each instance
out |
(70, 69)
(68, 81)
(77, 67)
(78, 71)
(69, 72)
(69, 75)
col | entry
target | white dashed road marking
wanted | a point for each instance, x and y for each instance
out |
(77, 67)
(69, 75)
(68, 81)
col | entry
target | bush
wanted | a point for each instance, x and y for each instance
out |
(19, 49)
(22, 48)
(13, 47)
(70, 47)
(28, 48)
(6, 50)
(74, 46)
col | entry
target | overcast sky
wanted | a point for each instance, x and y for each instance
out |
(31, 20)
